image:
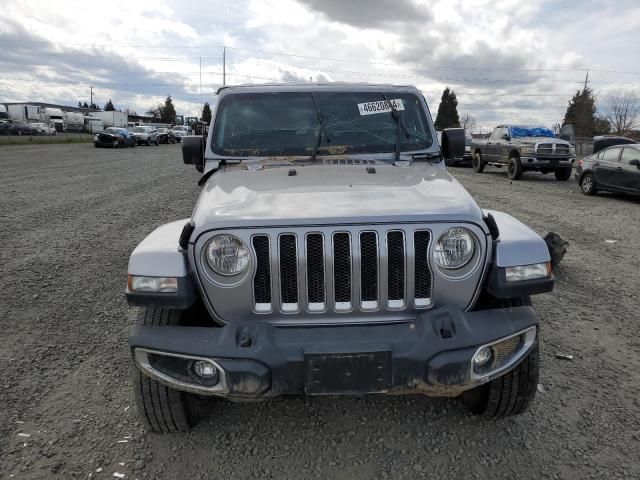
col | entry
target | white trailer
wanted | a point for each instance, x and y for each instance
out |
(3, 112)
(112, 119)
(56, 116)
(93, 124)
(25, 113)
(73, 121)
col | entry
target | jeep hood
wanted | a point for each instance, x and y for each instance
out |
(316, 195)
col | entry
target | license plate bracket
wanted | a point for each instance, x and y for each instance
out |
(347, 373)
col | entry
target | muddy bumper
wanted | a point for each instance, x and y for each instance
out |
(433, 354)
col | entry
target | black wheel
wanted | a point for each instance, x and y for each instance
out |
(148, 142)
(562, 174)
(588, 184)
(514, 168)
(157, 142)
(477, 163)
(163, 409)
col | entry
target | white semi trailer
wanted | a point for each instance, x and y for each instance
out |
(112, 119)
(26, 113)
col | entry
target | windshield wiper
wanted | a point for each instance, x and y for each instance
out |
(318, 139)
(399, 124)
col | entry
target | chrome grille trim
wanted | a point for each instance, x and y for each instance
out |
(336, 281)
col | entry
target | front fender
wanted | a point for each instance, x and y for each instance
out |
(515, 245)
(160, 255)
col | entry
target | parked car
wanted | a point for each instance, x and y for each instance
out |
(603, 141)
(5, 127)
(146, 135)
(614, 169)
(464, 160)
(166, 136)
(180, 131)
(330, 254)
(115, 137)
(524, 148)
(44, 128)
(20, 128)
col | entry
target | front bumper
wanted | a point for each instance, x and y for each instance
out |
(431, 354)
(547, 161)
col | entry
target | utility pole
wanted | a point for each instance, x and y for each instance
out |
(586, 80)
(200, 85)
(224, 65)
(91, 87)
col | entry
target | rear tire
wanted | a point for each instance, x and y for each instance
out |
(562, 174)
(477, 163)
(514, 168)
(588, 184)
(163, 409)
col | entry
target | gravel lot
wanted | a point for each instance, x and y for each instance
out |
(71, 214)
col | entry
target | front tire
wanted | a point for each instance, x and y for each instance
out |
(514, 168)
(562, 174)
(477, 163)
(148, 142)
(588, 184)
(163, 409)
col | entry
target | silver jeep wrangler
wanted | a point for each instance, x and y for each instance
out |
(330, 252)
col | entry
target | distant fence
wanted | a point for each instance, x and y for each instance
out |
(66, 137)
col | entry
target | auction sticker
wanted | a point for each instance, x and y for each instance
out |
(381, 106)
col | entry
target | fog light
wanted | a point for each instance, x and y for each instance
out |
(205, 369)
(483, 357)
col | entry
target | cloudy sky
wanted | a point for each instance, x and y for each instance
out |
(507, 60)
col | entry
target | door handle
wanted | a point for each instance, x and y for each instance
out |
(618, 168)
(597, 164)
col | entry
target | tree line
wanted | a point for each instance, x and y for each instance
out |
(620, 116)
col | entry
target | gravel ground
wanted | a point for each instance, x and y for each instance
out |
(69, 217)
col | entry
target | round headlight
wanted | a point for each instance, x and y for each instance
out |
(454, 248)
(227, 255)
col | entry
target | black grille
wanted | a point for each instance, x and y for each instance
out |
(288, 269)
(262, 280)
(395, 247)
(545, 148)
(369, 266)
(342, 267)
(315, 268)
(562, 149)
(422, 272)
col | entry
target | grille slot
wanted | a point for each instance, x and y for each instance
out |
(562, 149)
(288, 273)
(545, 148)
(369, 270)
(315, 272)
(262, 279)
(342, 270)
(395, 269)
(422, 271)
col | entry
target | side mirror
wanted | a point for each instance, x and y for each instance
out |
(452, 144)
(193, 151)
(635, 162)
(505, 136)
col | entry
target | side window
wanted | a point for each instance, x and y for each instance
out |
(496, 134)
(611, 154)
(629, 154)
